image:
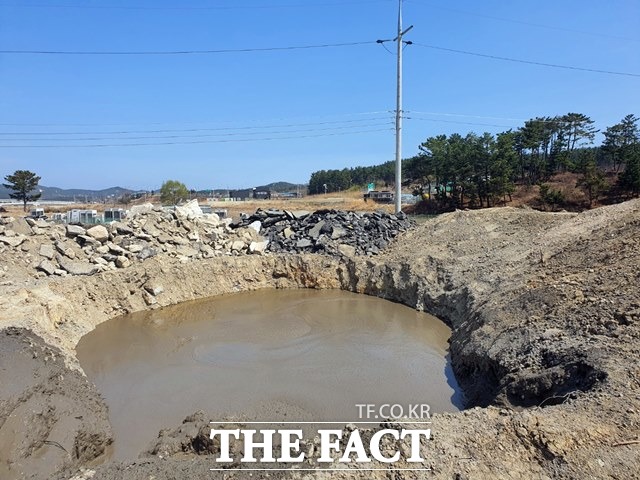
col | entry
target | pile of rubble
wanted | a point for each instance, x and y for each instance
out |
(188, 234)
(185, 233)
(326, 231)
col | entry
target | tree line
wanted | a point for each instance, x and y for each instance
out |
(478, 170)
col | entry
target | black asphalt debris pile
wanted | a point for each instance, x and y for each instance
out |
(326, 231)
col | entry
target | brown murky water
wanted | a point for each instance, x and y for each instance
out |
(270, 355)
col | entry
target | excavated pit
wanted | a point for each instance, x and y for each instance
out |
(269, 355)
(544, 311)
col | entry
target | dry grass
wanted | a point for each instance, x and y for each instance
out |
(338, 201)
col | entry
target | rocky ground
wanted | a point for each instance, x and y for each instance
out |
(544, 310)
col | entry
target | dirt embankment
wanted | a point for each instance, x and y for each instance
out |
(545, 312)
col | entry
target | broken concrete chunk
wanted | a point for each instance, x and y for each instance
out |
(186, 251)
(317, 228)
(257, 225)
(102, 249)
(116, 249)
(47, 251)
(140, 209)
(121, 228)
(179, 241)
(37, 223)
(99, 233)
(258, 247)
(237, 246)
(338, 232)
(122, 262)
(135, 248)
(146, 253)
(303, 243)
(75, 267)
(153, 288)
(47, 267)
(65, 250)
(75, 230)
(300, 214)
(13, 241)
(347, 250)
(40, 223)
(164, 238)
(189, 210)
(148, 298)
(87, 240)
(209, 220)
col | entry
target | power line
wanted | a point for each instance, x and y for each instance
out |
(522, 22)
(551, 120)
(457, 122)
(192, 130)
(265, 139)
(410, 115)
(304, 47)
(443, 114)
(184, 52)
(197, 123)
(234, 134)
(508, 59)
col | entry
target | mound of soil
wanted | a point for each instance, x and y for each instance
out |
(544, 310)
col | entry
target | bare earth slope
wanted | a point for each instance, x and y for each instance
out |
(545, 312)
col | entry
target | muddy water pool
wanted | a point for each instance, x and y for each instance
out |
(269, 355)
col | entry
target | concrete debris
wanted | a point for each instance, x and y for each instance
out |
(154, 288)
(189, 210)
(146, 253)
(99, 233)
(47, 251)
(75, 230)
(257, 225)
(76, 267)
(13, 241)
(47, 267)
(143, 209)
(258, 247)
(122, 262)
(237, 246)
(189, 235)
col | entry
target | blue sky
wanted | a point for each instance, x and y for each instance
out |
(336, 103)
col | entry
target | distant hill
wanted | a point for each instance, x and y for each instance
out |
(78, 194)
(279, 187)
(61, 194)
(282, 187)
